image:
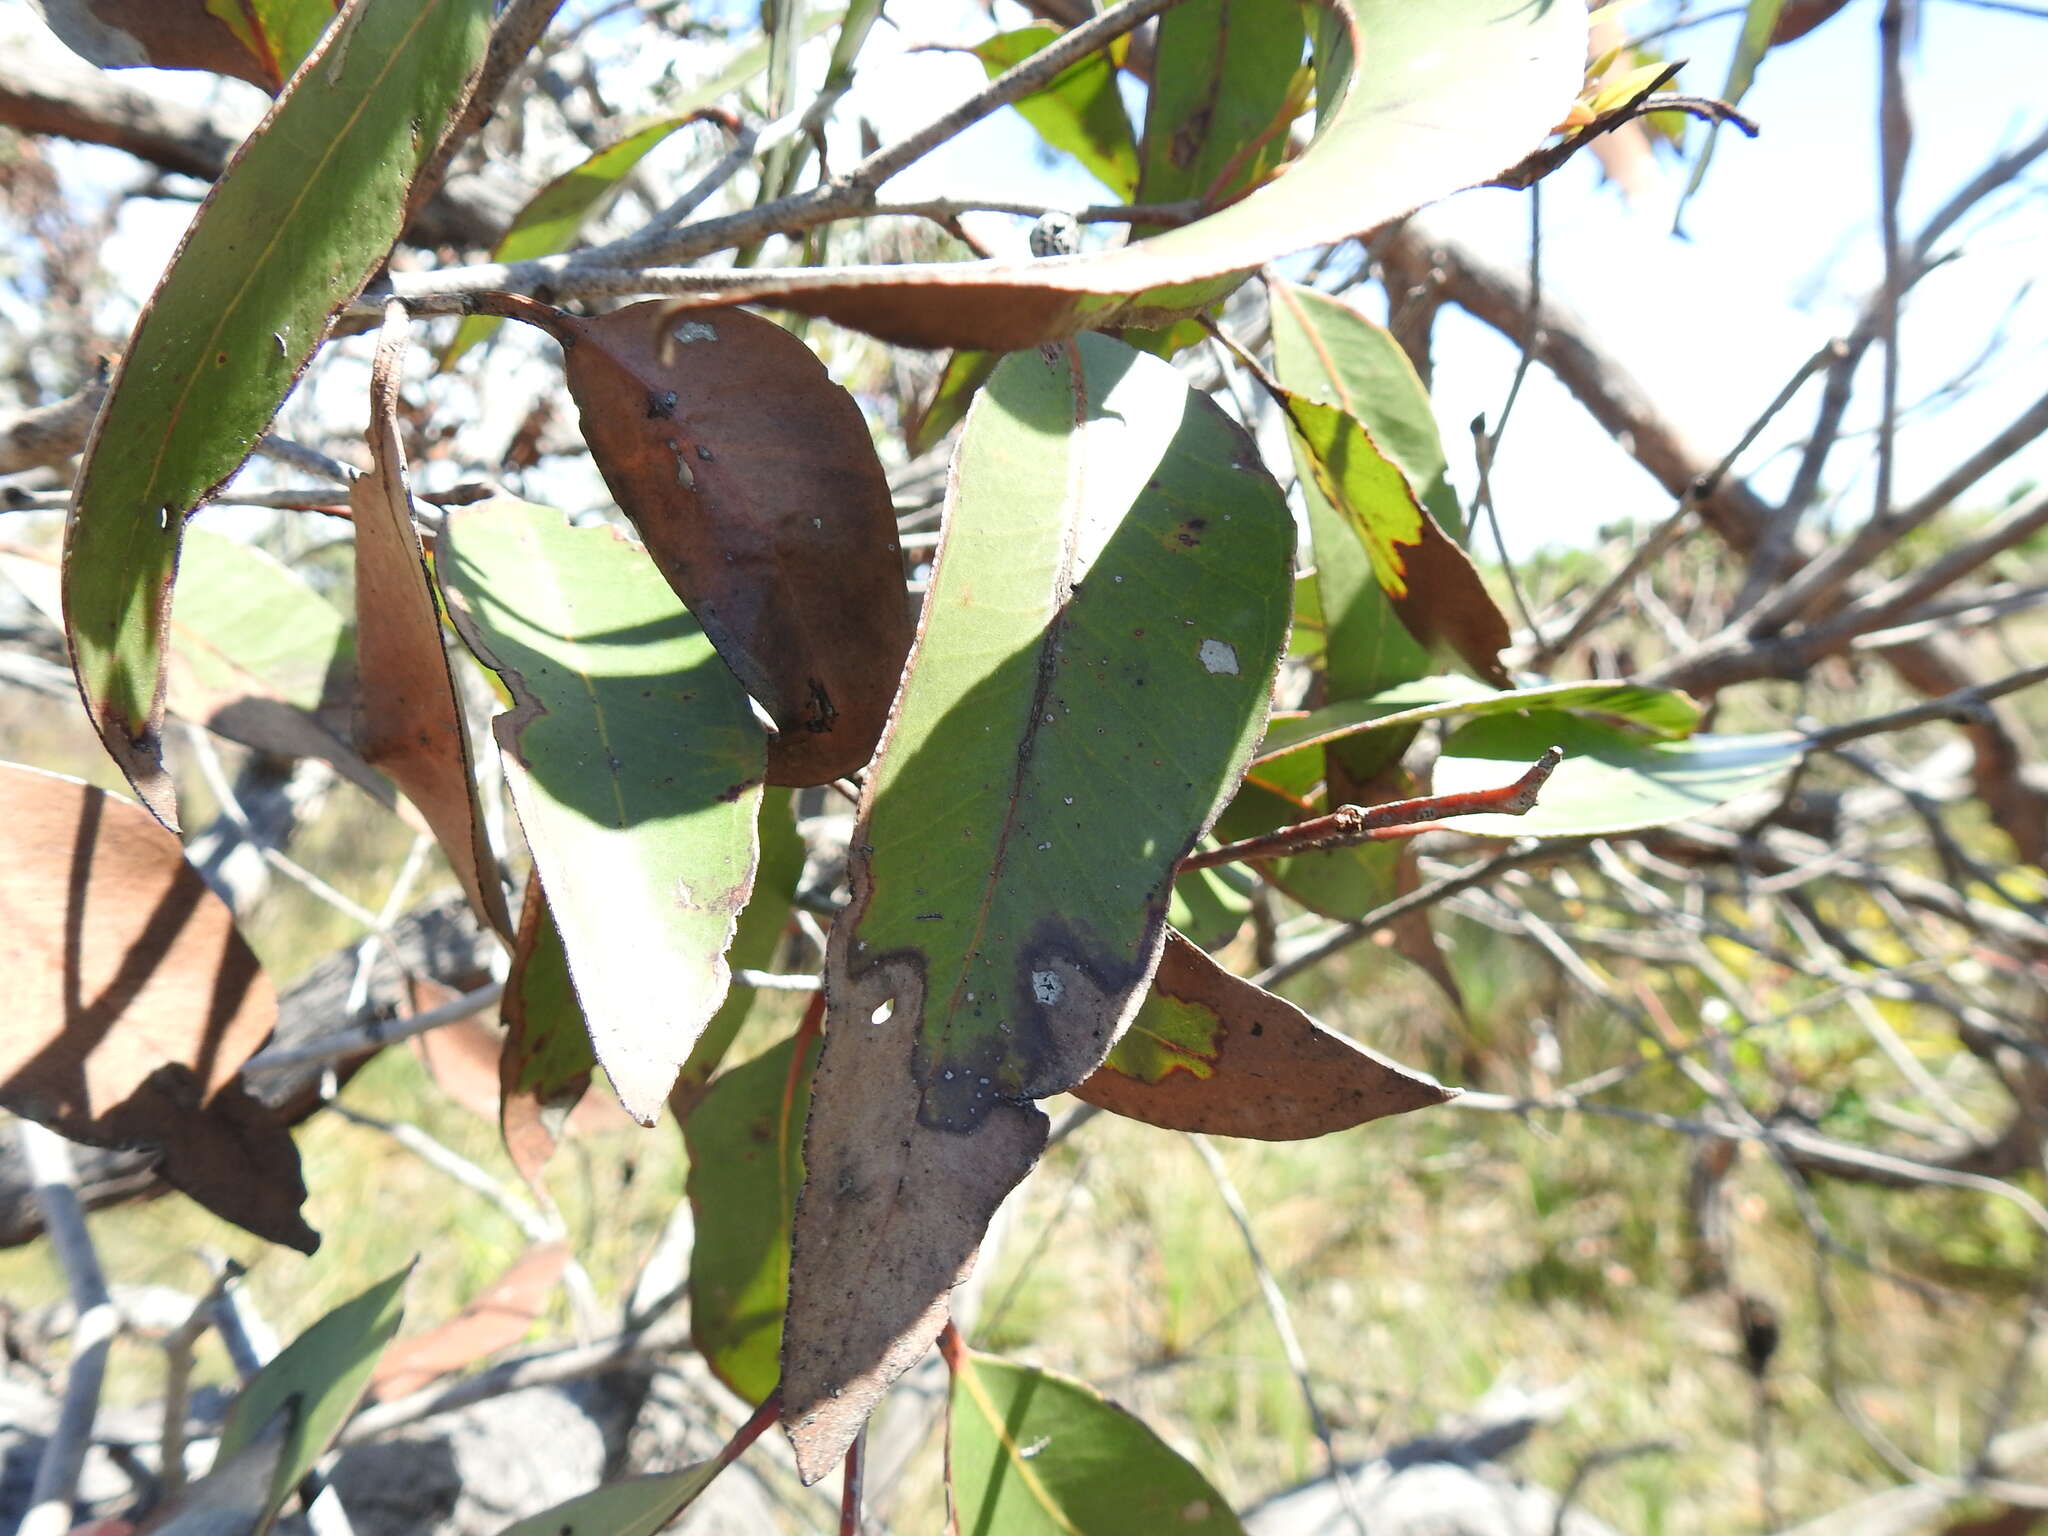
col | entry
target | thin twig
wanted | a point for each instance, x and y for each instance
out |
(178, 1347)
(95, 1322)
(1350, 825)
(1283, 1325)
(615, 267)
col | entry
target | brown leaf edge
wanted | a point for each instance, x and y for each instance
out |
(1272, 1073)
(408, 714)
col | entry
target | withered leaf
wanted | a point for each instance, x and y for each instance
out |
(1209, 1051)
(408, 716)
(497, 1319)
(755, 487)
(133, 1002)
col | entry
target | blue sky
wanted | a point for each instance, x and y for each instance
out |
(1782, 248)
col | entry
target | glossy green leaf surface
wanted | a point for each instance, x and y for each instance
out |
(1224, 87)
(1661, 711)
(633, 1506)
(1455, 91)
(1107, 611)
(1112, 591)
(1080, 113)
(556, 214)
(635, 763)
(232, 324)
(779, 870)
(1611, 780)
(745, 1139)
(1031, 1453)
(325, 1371)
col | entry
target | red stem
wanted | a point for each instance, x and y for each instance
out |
(1349, 825)
(850, 1488)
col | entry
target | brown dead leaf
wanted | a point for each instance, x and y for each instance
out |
(755, 486)
(496, 1320)
(1209, 1051)
(408, 715)
(133, 1002)
(862, 1259)
(162, 34)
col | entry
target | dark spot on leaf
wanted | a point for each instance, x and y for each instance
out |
(1257, 1030)
(704, 453)
(819, 711)
(661, 404)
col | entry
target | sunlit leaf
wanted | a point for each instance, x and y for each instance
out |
(635, 765)
(246, 301)
(1455, 91)
(1029, 1453)
(1227, 79)
(633, 1506)
(745, 1139)
(1428, 580)
(1661, 711)
(1111, 594)
(261, 41)
(324, 1371)
(1611, 780)
(499, 1317)
(132, 1002)
(1079, 113)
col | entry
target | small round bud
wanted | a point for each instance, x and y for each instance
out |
(1055, 234)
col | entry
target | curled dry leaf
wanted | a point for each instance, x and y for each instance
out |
(408, 715)
(133, 1002)
(1065, 733)
(1209, 1051)
(755, 485)
(1452, 91)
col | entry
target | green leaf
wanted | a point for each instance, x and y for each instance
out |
(1456, 90)
(269, 257)
(279, 33)
(633, 1506)
(963, 375)
(324, 1371)
(754, 942)
(1029, 1452)
(634, 761)
(1754, 41)
(1111, 595)
(1080, 113)
(556, 214)
(545, 1065)
(1662, 711)
(1226, 81)
(1210, 906)
(745, 1140)
(1428, 580)
(1611, 780)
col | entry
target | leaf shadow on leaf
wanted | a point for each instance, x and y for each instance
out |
(600, 796)
(1003, 1453)
(1018, 841)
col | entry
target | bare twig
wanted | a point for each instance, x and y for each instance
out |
(92, 1331)
(1283, 1325)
